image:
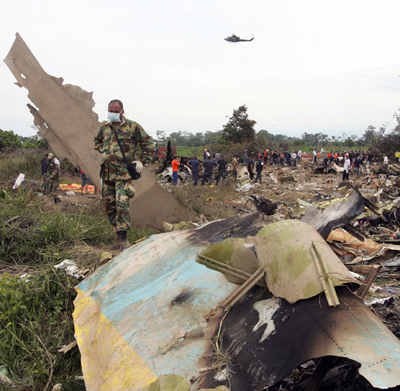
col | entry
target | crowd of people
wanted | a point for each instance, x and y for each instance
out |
(255, 162)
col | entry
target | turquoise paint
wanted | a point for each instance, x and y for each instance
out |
(139, 307)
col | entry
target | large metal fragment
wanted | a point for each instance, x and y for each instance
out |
(66, 119)
(174, 383)
(143, 314)
(285, 251)
(335, 216)
(266, 338)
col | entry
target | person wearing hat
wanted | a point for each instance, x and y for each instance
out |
(52, 178)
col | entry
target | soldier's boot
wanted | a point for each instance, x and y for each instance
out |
(122, 242)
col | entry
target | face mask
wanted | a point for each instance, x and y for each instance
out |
(114, 117)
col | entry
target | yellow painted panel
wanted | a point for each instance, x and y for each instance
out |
(111, 364)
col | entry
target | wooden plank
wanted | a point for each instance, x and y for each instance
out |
(326, 281)
(362, 292)
(241, 290)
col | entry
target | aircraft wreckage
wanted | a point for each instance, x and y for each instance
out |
(269, 299)
(233, 305)
(66, 120)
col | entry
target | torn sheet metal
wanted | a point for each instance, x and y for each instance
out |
(284, 250)
(174, 383)
(142, 314)
(66, 119)
(266, 338)
(232, 252)
(335, 216)
(362, 251)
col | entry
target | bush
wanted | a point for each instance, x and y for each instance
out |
(8, 139)
(29, 163)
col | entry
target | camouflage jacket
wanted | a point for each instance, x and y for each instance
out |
(135, 142)
(53, 172)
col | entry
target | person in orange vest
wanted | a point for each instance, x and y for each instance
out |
(336, 156)
(175, 168)
(265, 156)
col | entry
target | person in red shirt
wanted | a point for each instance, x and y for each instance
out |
(175, 168)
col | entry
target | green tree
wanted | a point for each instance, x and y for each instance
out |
(8, 139)
(161, 136)
(212, 137)
(239, 128)
(369, 136)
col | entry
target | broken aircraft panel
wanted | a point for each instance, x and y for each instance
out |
(144, 314)
(266, 338)
(335, 216)
(66, 119)
(285, 251)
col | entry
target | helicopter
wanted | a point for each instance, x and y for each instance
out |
(234, 38)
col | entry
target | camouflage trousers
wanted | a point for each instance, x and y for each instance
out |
(51, 186)
(117, 195)
(54, 185)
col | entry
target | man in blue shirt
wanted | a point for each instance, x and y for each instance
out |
(250, 168)
(194, 165)
(222, 163)
(208, 171)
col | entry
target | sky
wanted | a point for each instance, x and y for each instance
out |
(313, 66)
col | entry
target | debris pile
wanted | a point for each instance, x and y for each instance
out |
(290, 288)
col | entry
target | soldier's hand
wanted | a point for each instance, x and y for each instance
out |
(139, 166)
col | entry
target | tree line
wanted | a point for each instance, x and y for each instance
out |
(240, 130)
(9, 140)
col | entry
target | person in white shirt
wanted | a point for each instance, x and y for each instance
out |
(346, 168)
(385, 160)
(294, 159)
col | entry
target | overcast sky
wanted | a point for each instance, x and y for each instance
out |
(314, 66)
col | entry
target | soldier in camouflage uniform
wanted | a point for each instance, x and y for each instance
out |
(52, 178)
(117, 187)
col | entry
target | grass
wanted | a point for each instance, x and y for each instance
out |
(28, 163)
(35, 321)
(50, 233)
(190, 151)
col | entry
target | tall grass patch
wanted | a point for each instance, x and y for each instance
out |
(31, 233)
(28, 163)
(35, 321)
